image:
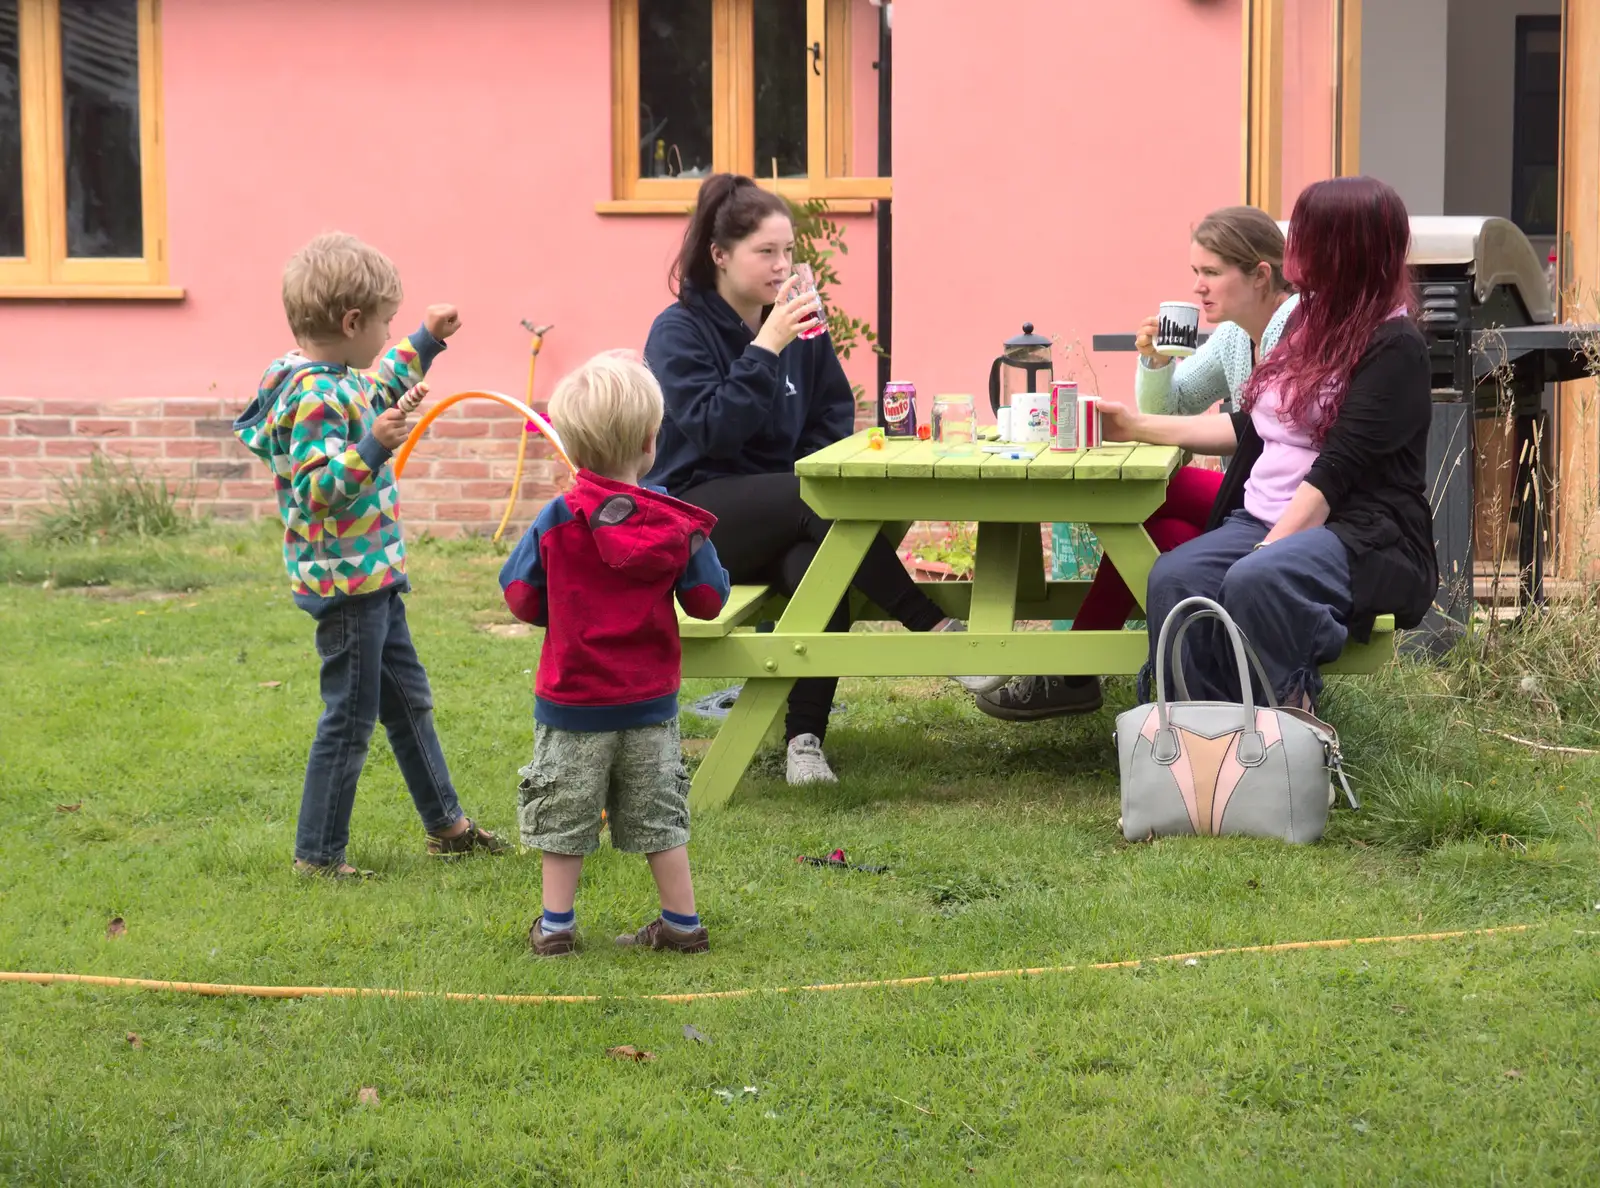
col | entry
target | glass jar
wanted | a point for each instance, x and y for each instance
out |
(955, 425)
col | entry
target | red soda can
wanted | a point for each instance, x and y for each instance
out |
(1064, 415)
(897, 409)
(1088, 422)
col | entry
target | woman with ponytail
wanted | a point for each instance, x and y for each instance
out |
(1322, 522)
(746, 398)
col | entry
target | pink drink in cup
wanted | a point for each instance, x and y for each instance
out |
(818, 325)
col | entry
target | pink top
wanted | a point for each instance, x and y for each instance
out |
(1286, 458)
(1286, 455)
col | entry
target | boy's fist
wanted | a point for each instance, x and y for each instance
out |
(390, 429)
(442, 321)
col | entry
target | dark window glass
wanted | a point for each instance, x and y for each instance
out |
(674, 88)
(100, 116)
(781, 67)
(12, 240)
(1536, 127)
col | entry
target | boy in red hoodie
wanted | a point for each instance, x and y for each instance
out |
(598, 570)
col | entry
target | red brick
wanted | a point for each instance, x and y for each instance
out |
(28, 468)
(444, 530)
(125, 447)
(417, 468)
(488, 449)
(142, 407)
(19, 447)
(44, 426)
(213, 427)
(229, 511)
(459, 429)
(487, 489)
(18, 408)
(164, 427)
(419, 512)
(466, 512)
(69, 448)
(222, 470)
(73, 408)
(260, 489)
(89, 427)
(21, 489)
(190, 409)
(7, 426)
(5, 468)
(460, 468)
(192, 447)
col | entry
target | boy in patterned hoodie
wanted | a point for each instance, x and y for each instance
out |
(326, 422)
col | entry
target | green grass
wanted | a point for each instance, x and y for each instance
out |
(175, 705)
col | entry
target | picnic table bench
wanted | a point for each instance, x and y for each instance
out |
(1112, 489)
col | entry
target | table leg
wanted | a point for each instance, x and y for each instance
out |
(762, 699)
(994, 577)
(1030, 564)
(1132, 551)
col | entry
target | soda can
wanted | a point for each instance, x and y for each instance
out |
(1088, 422)
(897, 409)
(1064, 415)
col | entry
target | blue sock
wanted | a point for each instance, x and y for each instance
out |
(682, 923)
(558, 921)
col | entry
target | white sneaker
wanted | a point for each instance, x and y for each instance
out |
(972, 684)
(807, 763)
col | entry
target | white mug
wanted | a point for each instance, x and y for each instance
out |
(1178, 329)
(1030, 417)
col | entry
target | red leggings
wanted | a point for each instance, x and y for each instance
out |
(1179, 520)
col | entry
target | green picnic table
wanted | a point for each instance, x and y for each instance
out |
(1112, 489)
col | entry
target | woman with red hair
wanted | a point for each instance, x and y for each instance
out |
(1322, 522)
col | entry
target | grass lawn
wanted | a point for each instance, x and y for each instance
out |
(173, 704)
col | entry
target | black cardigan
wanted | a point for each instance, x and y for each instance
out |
(1373, 472)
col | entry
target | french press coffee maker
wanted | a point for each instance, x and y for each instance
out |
(1024, 366)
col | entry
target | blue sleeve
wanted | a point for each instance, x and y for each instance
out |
(831, 416)
(716, 411)
(522, 577)
(703, 587)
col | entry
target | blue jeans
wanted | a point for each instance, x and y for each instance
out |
(1291, 600)
(370, 673)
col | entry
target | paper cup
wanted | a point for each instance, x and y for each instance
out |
(1178, 332)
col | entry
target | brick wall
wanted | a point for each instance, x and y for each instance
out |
(457, 481)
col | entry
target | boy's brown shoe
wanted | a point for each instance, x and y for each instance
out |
(551, 944)
(658, 934)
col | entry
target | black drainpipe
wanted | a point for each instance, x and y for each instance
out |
(885, 214)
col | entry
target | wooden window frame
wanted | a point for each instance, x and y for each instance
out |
(46, 271)
(1262, 133)
(829, 150)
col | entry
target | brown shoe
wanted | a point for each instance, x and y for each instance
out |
(470, 839)
(551, 944)
(658, 934)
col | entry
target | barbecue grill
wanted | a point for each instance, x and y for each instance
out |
(1487, 315)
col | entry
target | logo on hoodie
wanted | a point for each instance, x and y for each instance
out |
(789, 385)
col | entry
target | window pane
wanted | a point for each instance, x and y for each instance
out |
(100, 114)
(781, 67)
(11, 233)
(674, 88)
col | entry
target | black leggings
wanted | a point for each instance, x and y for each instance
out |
(765, 533)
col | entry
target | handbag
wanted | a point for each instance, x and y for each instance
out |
(1222, 767)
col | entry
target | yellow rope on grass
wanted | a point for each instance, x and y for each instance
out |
(221, 990)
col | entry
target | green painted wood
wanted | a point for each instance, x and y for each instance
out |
(869, 463)
(994, 577)
(958, 466)
(915, 461)
(744, 604)
(1131, 550)
(739, 738)
(825, 462)
(1151, 462)
(1103, 463)
(1011, 469)
(938, 499)
(1030, 567)
(1055, 465)
(828, 576)
(1056, 600)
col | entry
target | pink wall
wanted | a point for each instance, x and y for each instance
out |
(1033, 180)
(470, 145)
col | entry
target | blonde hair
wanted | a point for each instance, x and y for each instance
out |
(332, 275)
(606, 410)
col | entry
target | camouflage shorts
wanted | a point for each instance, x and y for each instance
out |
(637, 776)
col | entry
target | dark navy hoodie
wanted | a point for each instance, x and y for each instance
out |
(735, 408)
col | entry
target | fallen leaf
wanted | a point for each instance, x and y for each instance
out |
(694, 1034)
(134, 1041)
(269, 684)
(367, 1095)
(116, 928)
(1399, 1008)
(69, 808)
(1192, 961)
(629, 1052)
(1513, 1074)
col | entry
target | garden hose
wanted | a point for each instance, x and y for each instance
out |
(538, 333)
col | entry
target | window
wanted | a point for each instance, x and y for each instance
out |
(784, 90)
(82, 208)
(1536, 125)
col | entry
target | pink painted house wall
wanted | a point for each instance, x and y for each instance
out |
(472, 145)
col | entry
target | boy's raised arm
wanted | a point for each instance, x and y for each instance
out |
(703, 587)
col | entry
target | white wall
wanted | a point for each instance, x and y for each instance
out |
(1404, 62)
(1482, 74)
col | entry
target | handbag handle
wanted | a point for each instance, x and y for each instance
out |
(1180, 683)
(1252, 748)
